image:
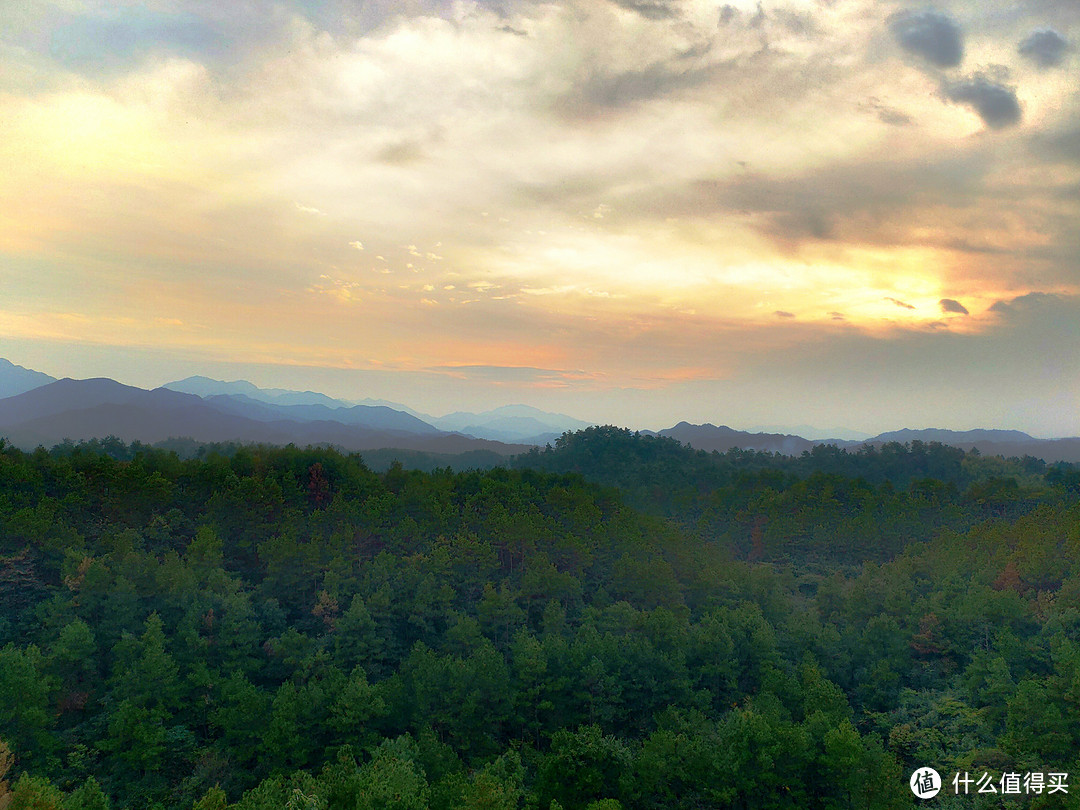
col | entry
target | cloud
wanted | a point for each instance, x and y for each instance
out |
(801, 23)
(899, 303)
(782, 314)
(730, 14)
(357, 244)
(650, 9)
(1032, 303)
(932, 35)
(1045, 47)
(996, 104)
(950, 305)
(868, 200)
(887, 114)
(759, 17)
(601, 91)
(401, 153)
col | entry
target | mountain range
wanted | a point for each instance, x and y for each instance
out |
(1007, 443)
(519, 424)
(510, 423)
(37, 409)
(81, 409)
(17, 380)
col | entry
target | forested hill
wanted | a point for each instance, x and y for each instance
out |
(843, 505)
(636, 461)
(284, 628)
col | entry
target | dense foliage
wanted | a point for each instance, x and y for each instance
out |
(616, 622)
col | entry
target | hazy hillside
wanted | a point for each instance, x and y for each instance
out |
(68, 395)
(520, 423)
(722, 438)
(1006, 443)
(953, 437)
(83, 409)
(213, 411)
(372, 417)
(16, 379)
(206, 387)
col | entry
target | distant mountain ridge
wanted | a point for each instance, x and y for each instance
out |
(18, 380)
(813, 433)
(952, 436)
(47, 411)
(206, 387)
(721, 438)
(67, 395)
(511, 423)
(377, 417)
(1007, 443)
(83, 409)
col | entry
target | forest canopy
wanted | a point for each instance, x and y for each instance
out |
(614, 621)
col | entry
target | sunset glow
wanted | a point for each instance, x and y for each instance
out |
(631, 212)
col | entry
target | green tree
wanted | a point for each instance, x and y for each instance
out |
(582, 766)
(35, 793)
(25, 716)
(213, 799)
(88, 796)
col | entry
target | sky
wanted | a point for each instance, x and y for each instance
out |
(836, 213)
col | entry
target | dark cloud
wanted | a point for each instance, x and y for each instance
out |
(886, 114)
(801, 23)
(893, 117)
(1045, 47)
(996, 104)
(401, 153)
(781, 314)
(899, 303)
(838, 316)
(1060, 143)
(599, 91)
(949, 305)
(810, 221)
(862, 200)
(934, 36)
(730, 14)
(650, 9)
(1028, 304)
(758, 19)
(967, 246)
